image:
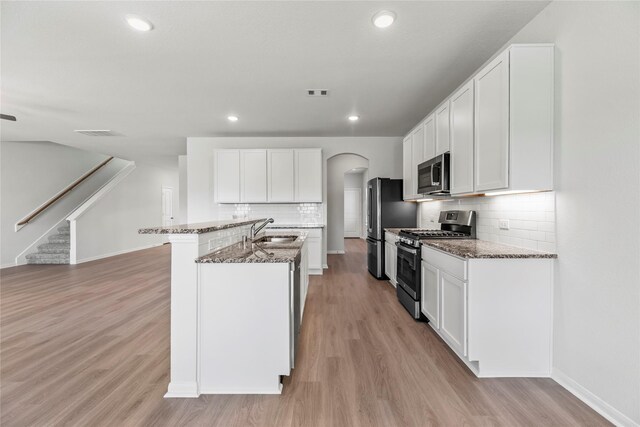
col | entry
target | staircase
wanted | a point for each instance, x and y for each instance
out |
(54, 252)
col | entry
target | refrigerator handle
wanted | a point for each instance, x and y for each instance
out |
(369, 191)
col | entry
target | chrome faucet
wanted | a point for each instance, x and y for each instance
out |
(255, 230)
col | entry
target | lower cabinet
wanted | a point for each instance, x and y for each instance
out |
(304, 277)
(313, 245)
(495, 314)
(390, 257)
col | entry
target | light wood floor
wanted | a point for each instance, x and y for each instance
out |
(89, 345)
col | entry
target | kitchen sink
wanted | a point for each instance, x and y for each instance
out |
(276, 239)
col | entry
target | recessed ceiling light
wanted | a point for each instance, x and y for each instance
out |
(139, 23)
(232, 118)
(384, 18)
(353, 118)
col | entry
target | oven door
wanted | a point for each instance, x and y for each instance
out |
(425, 177)
(408, 271)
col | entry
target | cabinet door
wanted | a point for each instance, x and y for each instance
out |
(227, 176)
(442, 129)
(387, 259)
(315, 253)
(453, 312)
(430, 299)
(492, 125)
(308, 172)
(417, 147)
(462, 140)
(253, 176)
(429, 150)
(281, 175)
(393, 258)
(407, 177)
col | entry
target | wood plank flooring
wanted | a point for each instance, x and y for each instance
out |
(88, 345)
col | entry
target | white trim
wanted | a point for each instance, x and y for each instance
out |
(182, 390)
(593, 401)
(325, 266)
(11, 265)
(335, 252)
(125, 251)
(241, 391)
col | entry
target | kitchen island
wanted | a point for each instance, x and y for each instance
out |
(235, 306)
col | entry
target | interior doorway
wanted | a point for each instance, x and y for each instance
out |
(352, 213)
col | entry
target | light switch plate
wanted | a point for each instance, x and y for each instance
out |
(503, 224)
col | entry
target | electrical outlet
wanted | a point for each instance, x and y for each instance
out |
(503, 224)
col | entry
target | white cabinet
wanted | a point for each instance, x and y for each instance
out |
(390, 257)
(304, 277)
(461, 156)
(407, 163)
(492, 125)
(430, 294)
(281, 178)
(442, 128)
(308, 175)
(429, 150)
(253, 173)
(313, 250)
(453, 316)
(417, 147)
(227, 176)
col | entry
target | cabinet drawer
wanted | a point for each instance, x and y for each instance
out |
(450, 264)
(390, 237)
(314, 232)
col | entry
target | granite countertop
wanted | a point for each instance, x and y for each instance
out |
(472, 248)
(303, 225)
(200, 227)
(397, 230)
(248, 252)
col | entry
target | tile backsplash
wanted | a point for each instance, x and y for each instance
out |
(531, 217)
(285, 213)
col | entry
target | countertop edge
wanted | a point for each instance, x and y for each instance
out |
(467, 255)
(198, 228)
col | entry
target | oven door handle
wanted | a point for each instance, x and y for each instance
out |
(406, 249)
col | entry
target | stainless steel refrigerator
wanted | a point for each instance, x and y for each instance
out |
(385, 209)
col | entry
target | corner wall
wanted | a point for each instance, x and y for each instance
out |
(597, 183)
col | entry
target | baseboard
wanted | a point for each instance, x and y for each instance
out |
(13, 264)
(182, 390)
(593, 401)
(335, 252)
(126, 251)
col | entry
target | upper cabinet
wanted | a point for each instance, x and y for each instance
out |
(498, 126)
(308, 175)
(280, 165)
(461, 156)
(417, 157)
(442, 128)
(268, 176)
(492, 125)
(407, 168)
(429, 150)
(253, 170)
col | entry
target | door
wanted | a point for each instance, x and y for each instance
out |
(461, 158)
(442, 129)
(430, 294)
(429, 149)
(308, 172)
(393, 259)
(227, 176)
(492, 125)
(408, 270)
(280, 165)
(453, 328)
(407, 177)
(352, 212)
(417, 147)
(253, 176)
(167, 206)
(375, 258)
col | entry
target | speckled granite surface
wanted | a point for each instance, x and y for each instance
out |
(471, 248)
(257, 252)
(308, 225)
(200, 227)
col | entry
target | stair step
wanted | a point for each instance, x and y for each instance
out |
(39, 258)
(60, 238)
(54, 248)
(65, 229)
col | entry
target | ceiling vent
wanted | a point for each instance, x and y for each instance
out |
(317, 92)
(97, 132)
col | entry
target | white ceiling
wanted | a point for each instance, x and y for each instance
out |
(77, 65)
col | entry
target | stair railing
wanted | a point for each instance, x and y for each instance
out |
(61, 194)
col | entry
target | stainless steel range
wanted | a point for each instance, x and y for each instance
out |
(453, 225)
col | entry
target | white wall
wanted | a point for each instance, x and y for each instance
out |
(33, 172)
(182, 189)
(111, 225)
(531, 218)
(337, 166)
(597, 182)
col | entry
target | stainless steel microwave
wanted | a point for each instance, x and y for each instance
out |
(433, 176)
